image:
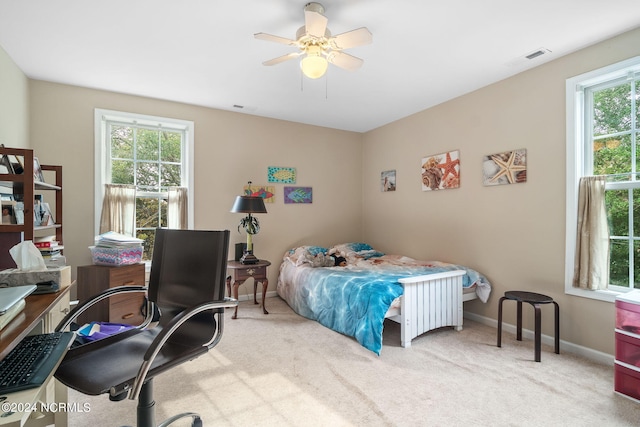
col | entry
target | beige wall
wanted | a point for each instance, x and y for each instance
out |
(513, 233)
(230, 149)
(14, 107)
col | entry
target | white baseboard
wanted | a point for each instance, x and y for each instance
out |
(588, 353)
(247, 297)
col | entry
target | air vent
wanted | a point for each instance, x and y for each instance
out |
(524, 59)
(245, 108)
(535, 54)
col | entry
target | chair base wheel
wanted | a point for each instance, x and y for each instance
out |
(197, 421)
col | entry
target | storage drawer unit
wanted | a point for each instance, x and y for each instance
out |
(628, 348)
(123, 308)
(628, 313)
(627, 365)
(627, 381)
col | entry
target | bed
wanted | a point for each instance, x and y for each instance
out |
(356, 298)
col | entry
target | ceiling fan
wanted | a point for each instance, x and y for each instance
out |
(319, 47)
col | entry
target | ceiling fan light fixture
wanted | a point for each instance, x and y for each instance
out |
(317, 46)
(314, 65)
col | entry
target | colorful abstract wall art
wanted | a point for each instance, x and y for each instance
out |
(281, 175)
(298, 195)
(267, 192)
(441, 171)
(509, 167)
(388, 181)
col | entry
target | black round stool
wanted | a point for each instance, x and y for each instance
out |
(535, 300)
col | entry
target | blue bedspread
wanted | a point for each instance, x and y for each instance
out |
(350, 302)
(353, 300)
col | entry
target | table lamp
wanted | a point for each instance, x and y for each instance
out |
(249, 205)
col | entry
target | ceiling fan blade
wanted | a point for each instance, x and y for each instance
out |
(277, 39)
(315, 23)
(344, 60)
(353, 38)
(282, 58)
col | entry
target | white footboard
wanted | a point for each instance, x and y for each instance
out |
(429, 302)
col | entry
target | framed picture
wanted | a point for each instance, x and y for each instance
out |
(8, 214)
(5, 164)
(18, 212)
(42, 214)
(509, 167)
(388, 181)
(37, 170)
(47, 216)
(281, 175)
(298, 195)
(264, 191)
(441, 171)
(16, 164)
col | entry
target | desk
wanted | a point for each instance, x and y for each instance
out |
(41, 314)
(240, 273)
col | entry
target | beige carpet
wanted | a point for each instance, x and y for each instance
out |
(283, 370)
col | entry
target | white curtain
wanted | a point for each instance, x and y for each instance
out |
(118, 209)
(177, 208)
(591, 269)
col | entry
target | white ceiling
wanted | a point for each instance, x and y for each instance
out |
(203, 52)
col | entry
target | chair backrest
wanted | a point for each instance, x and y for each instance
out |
(188, 268)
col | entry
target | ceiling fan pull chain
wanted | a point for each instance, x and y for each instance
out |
(326, 87)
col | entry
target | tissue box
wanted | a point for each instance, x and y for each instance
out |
(15, 277)
(116, 256)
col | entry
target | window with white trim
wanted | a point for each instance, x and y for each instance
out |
(603, 137)
(150, 153)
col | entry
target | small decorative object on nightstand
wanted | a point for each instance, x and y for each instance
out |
(241, 272)
(249, 205)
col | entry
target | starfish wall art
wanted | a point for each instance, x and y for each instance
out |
(509, 167)
(441, 171)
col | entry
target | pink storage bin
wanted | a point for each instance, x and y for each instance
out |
(627, 381)
(628, 348)
(628, 312)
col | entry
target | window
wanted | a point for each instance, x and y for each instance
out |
(603, 138)
(150, 153)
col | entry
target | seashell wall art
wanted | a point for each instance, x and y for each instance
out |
(509, 167)
(441, 171)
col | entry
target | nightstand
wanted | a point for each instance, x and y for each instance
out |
(241, 272)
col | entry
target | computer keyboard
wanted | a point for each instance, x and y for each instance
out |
(30, 363)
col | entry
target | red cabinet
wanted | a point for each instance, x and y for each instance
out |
(627, 364)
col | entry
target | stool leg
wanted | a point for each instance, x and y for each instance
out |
(557, 316)
(519, 322)
(500, 321)
(538, 332)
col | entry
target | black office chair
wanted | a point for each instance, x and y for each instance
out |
(186, 286)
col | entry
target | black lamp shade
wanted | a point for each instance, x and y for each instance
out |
(249, 204)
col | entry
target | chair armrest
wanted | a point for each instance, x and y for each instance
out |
(108, 293)
(168, 330)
